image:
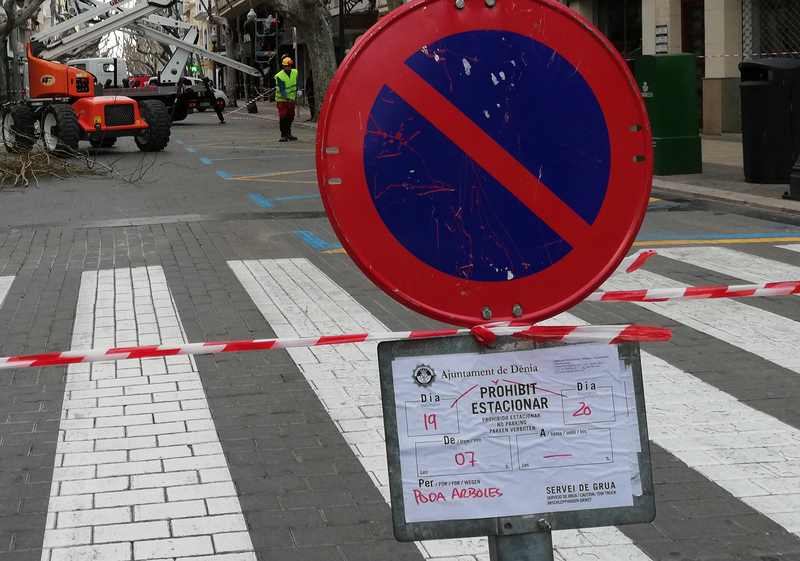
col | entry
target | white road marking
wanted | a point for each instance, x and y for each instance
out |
(751, 454)
(299, 300)
(5, 286)
(748, 453)
(136, 438)
(791, 247)
(750, 268)
(762, 333)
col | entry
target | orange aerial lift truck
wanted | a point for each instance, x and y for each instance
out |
(65, 104)
(63, 109)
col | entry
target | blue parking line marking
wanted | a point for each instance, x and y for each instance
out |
(260, 200)
(224, 174)
(314, 241)
(296, 197)
(205, 161)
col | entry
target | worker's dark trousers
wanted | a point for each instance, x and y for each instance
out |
(285, 117)
(286, 127)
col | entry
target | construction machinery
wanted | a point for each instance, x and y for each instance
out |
(67, 104)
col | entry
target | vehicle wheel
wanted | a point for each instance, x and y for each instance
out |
(201, 109)
(220, 104)
(60, 130)
(179, 112)
(156, 136)
(19, 134)
(103, 143)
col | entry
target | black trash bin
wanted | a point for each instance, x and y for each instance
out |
(770, 118)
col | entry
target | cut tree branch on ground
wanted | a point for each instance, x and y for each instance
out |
(25, 168)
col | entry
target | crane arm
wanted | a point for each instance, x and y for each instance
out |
(112, 23)
(190, 47)
(73, 22)
(173, 70)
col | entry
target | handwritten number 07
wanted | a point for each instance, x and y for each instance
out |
(463, 458)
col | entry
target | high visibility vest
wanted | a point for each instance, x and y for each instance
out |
(289, 82)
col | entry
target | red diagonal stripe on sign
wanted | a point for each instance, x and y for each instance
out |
(488, 154)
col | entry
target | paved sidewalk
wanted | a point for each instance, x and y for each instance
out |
(723, 179)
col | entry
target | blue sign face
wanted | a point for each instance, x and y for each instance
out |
(446, 209)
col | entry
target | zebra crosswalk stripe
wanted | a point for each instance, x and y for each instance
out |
(756, 331)
(737, 264)
(139, 469)
(298, 299)
(746, 452)
(5, 286)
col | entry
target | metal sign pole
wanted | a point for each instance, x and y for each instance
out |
(521, 547)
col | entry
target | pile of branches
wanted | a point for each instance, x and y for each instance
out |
(25, 168)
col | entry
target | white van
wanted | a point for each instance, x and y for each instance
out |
(110, 72)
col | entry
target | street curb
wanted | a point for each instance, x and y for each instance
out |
(722, 195)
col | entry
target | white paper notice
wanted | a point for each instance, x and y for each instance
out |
(515, 433)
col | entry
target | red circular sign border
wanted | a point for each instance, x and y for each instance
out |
(389, 264)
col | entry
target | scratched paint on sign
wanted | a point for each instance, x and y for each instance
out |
(474, 228)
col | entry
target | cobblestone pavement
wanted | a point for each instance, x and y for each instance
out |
(279, 455)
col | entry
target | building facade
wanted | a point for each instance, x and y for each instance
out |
(721, 33)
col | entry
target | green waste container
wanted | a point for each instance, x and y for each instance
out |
(669, 89)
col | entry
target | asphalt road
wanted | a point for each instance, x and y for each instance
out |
(280, 454)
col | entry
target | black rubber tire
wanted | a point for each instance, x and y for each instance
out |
(22, 121)
(68, 131)
(201, 109)
(179, 111)
(104, 143)
(156, 137)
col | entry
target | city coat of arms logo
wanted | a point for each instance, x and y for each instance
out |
(424, 375)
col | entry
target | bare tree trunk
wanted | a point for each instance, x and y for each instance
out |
(15, 85)
(5, 94)
(314, 24)
(230, 73)
(10, 30)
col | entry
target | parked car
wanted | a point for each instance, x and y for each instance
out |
(198, 86)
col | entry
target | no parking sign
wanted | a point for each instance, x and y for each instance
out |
(485, 163)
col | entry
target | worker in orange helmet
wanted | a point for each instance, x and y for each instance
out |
(286, 97)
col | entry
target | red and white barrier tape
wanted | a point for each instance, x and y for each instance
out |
(782, 288)
(484, 333)
(636, 261)
(610, 334)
